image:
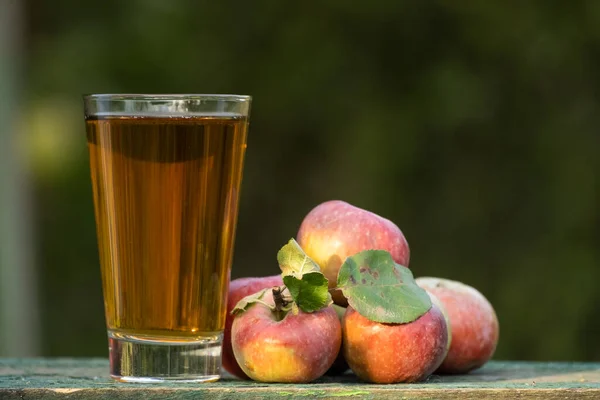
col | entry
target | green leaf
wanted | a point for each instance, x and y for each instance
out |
(381, 290)
(311, 292)
(294, 261)
(308, 287)
(249, 300)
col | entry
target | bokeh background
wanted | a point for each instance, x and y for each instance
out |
(473, 125)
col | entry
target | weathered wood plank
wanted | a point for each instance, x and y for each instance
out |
(87, 379)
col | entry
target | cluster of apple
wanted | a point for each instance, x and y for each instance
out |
(386, 326)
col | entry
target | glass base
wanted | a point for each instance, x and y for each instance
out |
(133, 359)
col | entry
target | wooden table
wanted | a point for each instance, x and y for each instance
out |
(87, 379)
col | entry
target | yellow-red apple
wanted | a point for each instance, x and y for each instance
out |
(393, 353)
(335, 230)
(298, 348)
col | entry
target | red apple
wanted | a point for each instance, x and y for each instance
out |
(296, 349)
(393, 353)
(473, 323)
(335, 230)
(238, 289)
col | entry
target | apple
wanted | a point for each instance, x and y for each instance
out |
(297, 348)
(473, 323)
(335, 230)
(393, 353)
(238, 289)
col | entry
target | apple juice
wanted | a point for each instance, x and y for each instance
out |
(165, 195)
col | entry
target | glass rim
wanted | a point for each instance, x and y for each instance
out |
(165, 97)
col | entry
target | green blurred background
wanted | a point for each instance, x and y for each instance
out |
(473, 125)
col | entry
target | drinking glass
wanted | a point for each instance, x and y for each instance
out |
(166, 173)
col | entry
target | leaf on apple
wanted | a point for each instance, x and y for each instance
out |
(294, 261)
(310, 293)
(247, 301)
(381, 290)
(306, 283)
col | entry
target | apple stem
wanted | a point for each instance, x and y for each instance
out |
(280, 302)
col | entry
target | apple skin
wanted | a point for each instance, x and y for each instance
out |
(473, 322)
(238, 289)
(394, 353)
(334, 230)
(298, 349)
